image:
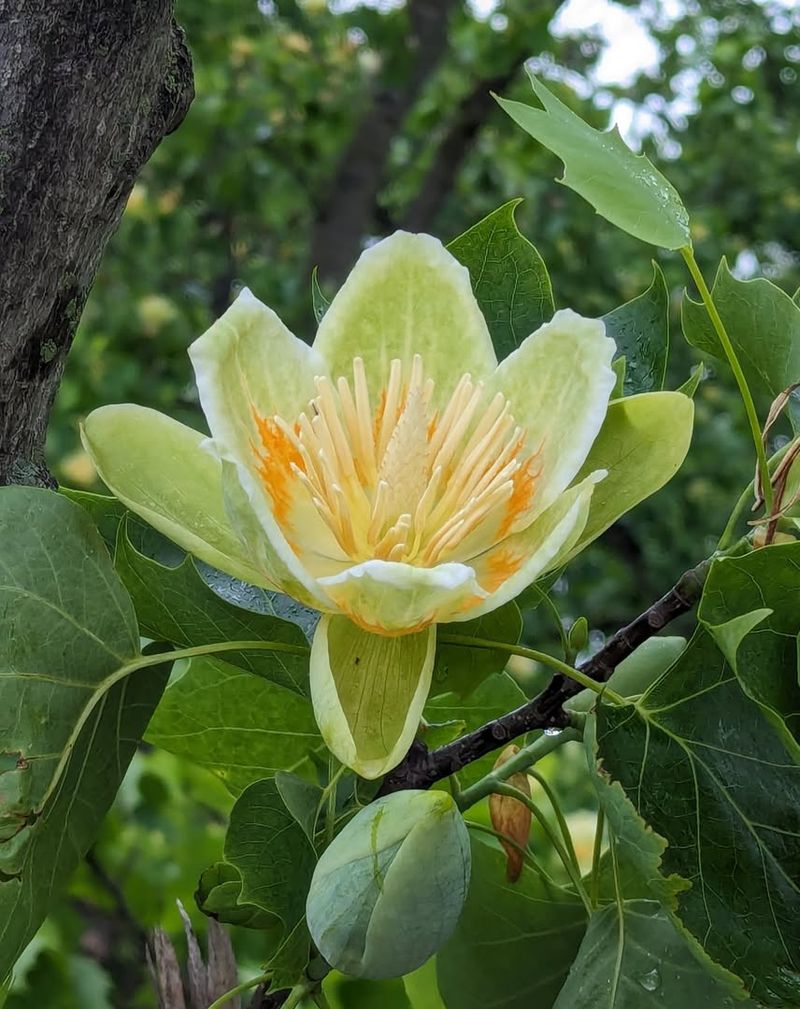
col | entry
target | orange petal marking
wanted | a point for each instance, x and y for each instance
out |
(276, 455)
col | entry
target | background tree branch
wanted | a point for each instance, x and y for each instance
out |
(87, 92)
(346, 214)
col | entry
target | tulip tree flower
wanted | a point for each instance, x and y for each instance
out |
(393, 475)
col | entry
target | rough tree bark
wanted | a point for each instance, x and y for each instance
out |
(347, 214)
(87, 92)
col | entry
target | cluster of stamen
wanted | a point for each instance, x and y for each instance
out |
(402, 481)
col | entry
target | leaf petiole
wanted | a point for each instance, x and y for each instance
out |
(531, 653)
(254, 982)
(736, 368)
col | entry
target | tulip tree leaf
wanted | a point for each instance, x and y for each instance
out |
(275, 860)
(241, 727)
(709, 773)
(692, 383)
(218, 895)
(174, 604)
(760, 590)
(796, 297)
(508, 276)
(641, 444)
(109, 514)
(764, 326)
(639, 849)
(533, 931)
(635, 673)
(497, 695)
(623, 187)
(633, 957)
(302, 798)
(459, 670)
(640, 329)
(70, 718)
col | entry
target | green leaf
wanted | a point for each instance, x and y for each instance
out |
(623, 187)
(514, 942)
(690, 386)
(494, 697)
(174, 604)
(633, 957)
(458, 669)
(388, 890)
(318, 299)
(241, 727)
(508, 276)
(752, 604)
(707, 771)
(636, 673)
(764, 326)
(275, 860)
(109, 514)
(640, 329)
(218, 895)
(639, 849)
(642, 444)
(302, 798)
(74, 700)
(422, 987)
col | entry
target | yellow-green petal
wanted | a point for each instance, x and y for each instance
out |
(407, 295)
(248, 359)
(368, 692)
(558, 383)
(248, 365)
(517, 561)
(642, 444)
(389, 596)
(159, 469)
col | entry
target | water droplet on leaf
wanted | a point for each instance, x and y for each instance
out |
(650, 981)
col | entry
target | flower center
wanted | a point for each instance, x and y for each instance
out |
(401, 480)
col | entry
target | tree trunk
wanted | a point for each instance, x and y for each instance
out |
(88, 88)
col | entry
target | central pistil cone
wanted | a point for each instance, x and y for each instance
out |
(401, 480)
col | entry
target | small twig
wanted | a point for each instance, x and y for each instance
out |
(422, 767)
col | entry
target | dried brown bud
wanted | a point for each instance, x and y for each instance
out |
(512, 818)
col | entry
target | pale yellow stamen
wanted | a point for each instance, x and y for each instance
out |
(408, 482)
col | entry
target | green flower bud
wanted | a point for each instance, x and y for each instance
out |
(388, 891)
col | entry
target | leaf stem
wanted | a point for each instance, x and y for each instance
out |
(570, 672)
(330, 799)
(521, 761)
(503, 788)
(552, 798)
(553, 610)
(596, 853)
(729, 532)
(244, 986)
(736, 368)
(143, 662)
(525, 852)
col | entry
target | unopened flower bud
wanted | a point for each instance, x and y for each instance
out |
(512, 818)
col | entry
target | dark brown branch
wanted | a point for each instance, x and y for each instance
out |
(422, 767)
(88, 92)
(346, 215)
(473, 111)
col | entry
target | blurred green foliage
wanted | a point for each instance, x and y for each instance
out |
(236, 197)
